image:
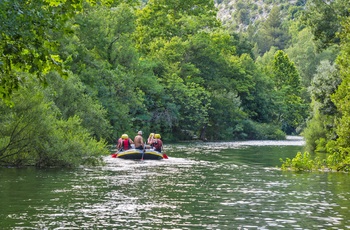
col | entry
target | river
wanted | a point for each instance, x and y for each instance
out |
(224, 185)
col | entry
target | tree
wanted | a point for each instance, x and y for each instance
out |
(70, 97)
(285, 73)
(321, 127)
(183, 103)
(104, 57)
(324, 84)
(164, 34)
(260, 105)
(327, 120)
(287, 83)
(303, 52)
(324, 19)
(27, 40)
(33, 134)
(272, 32)
(225, 116)
(166, 19)
(339, 149)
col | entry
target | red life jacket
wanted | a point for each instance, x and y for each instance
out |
(157, 144)
(125, 144)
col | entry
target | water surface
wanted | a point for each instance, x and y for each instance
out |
(226, 185)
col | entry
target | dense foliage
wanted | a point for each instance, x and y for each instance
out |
(33, 132)
(170, 67)
(327, 131)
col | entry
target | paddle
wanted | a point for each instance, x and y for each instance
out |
(164, 154)
(143, 152)
(114, 155)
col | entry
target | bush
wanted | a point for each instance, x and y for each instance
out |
(251, 130)
(304, 162)
(301, 162)
(32, 135)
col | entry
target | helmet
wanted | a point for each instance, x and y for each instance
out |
(157, 136)
(151, 135)
(125, 136)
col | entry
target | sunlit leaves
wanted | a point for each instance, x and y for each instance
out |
(164, 19)
(26, 41)
(302, 162)
(339, 148)
(29, 31)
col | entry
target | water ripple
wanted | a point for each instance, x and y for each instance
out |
(213, 186)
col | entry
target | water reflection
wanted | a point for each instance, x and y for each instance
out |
(232, 185)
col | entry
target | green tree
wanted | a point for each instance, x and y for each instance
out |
(165, 34)
(324, 19)
(339, 149)
(320, 127)
(272, 32)
(260, 105)
(285, 73)
(324, 84)
(71, 99)
(287, 83)
(325, 119)
(104, 57)
(167, 19)
(187, 53)
(27, 41)
(32, 133)
(182, 99)
(225, 117)
(303, 52)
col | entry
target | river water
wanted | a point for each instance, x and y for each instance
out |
(226, 185)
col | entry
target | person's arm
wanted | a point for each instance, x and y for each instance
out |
(150, 140)
(119, 145)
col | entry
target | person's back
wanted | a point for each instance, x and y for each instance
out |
(150, 139)
(138, 141)
(158, 143)
(126, 144)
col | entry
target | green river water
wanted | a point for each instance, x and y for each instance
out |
(226, 185)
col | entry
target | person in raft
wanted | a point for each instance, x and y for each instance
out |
(139, 141)
(119, 143)
(157, 143)
(124, 143)
(150, 139)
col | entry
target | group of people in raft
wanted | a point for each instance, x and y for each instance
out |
(154, 142)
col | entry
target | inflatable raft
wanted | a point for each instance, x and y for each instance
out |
(136, 154)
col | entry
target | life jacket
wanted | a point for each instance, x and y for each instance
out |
(157, 144)
(126, 144)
